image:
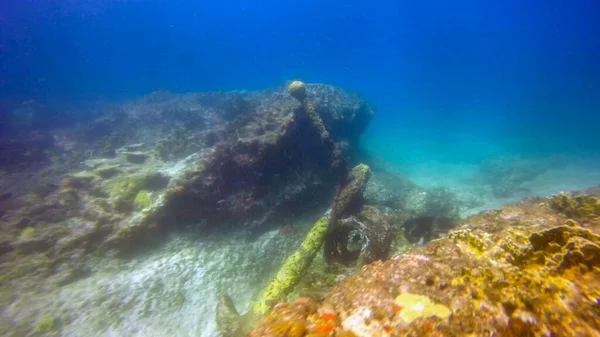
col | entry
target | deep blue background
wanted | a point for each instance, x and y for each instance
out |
(484, 70)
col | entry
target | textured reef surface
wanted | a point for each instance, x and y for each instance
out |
(165, 163)
(210, 160)
(168, 214)
(527, 269)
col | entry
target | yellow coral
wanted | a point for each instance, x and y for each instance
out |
(474, 243)
(578, 206)
(418, 306)
(564, 246)
(540, 273)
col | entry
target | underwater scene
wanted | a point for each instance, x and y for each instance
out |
(299, 168)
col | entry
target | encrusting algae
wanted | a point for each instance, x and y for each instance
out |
(289, 274)
(576, 206)
(530, 269)
(417, 306)
(129, 178)
(298, 90)
(26, 234)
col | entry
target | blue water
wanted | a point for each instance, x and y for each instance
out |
(455, 81)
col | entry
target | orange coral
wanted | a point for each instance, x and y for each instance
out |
(325, 327)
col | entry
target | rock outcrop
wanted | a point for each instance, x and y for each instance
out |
(528, 269)
(167, 162)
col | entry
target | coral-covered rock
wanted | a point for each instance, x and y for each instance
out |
(165, 162)
(265, 164)
(287, 319)
(360, 239)
(522, 270)
(348, 236)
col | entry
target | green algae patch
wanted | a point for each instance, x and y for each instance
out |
(47, 325)
(143, 199)
(108, 171)
(27, 233)
(124, 189)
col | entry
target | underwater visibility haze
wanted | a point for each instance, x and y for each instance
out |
(299, 168)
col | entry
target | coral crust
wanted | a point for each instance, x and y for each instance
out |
(528, 269)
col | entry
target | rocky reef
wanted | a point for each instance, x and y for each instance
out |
(527, 269)
(385, 258)
(92, 195)
(208, 161)
(245, 159)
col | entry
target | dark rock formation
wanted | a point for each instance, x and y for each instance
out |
(245, 159)
(357, 233)
(360, 239)
(267, 162)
